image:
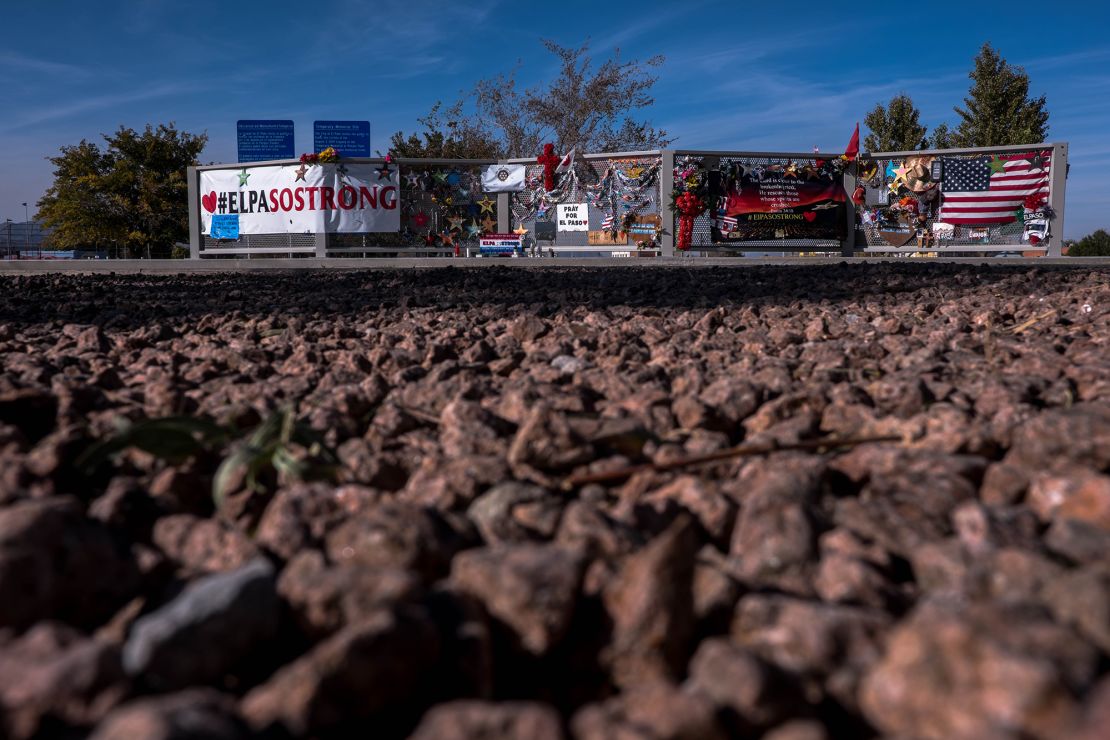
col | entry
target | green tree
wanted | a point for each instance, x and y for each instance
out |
(998, 110)
(130, 196)
(894, 128)
(590, 106)
(1092, 245)
(448, 133)
(941, 138)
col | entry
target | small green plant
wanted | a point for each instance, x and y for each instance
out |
(280, 444)
(280, 447)
(172, 438)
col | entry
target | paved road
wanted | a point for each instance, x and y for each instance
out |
(152, 267)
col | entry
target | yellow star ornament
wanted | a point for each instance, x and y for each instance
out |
(487, 205)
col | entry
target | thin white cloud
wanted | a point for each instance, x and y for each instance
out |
(13, 62)
(93, 103)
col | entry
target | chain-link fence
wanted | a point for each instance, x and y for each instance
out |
(618, 199)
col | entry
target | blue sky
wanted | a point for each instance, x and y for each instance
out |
(785, 77)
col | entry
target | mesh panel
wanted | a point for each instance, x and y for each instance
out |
(901, 231)
(638, 179)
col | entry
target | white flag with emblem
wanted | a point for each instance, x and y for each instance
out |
(503, 178)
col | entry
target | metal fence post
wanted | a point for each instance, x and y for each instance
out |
(848, 246)
(666, 187)
(503, 209)
(193, 178)
(1056, 198)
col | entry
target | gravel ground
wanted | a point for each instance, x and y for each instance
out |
(452, 572)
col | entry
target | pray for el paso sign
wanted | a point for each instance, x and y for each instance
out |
(298, 199)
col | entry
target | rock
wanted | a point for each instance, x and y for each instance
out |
(30, 410)
(531, 588)
(756, 693)
(1072, 493)
(954, 671)
(773, 543)
(798, 730)
(1079, 435)
(397, 535)
(325, 598)
(186, 715)
(366, 669)
(1078, 541)
(231, 614)
(300, 516)
(650, 604)
(528, 328)
(479, 720)
(57, 564)
(516, 512)
(201, 546)
(831, 643)
(714, 511)
(568, 364)
(652, 712)
(53, 676)
(1082, 598)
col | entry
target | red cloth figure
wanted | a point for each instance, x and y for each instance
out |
(689, 206)
(549, 159)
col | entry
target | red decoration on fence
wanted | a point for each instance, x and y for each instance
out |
(549, 160)
(689, 206)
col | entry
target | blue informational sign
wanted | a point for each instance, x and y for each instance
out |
(264, 140)
(349, 138)
(224, 226)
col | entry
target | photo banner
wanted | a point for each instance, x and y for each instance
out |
(303, 199)
(783, 203)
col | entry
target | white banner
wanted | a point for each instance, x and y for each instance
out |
(574, 217)
(303, 199)
(503, 178)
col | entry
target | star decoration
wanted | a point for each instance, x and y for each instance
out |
(384, 173)
(487, 204)
(997, 164)
(453, 178)
(790, 171)
(300, 172)
(441, 176)
(900, 172)
(420, 219)
(430, 239)
(412, 180)
(489, 224)
(456, 222)
(473, 229)
(520, 230)
(447, 238)
(890, 168)
(635, 172)
(243, 175)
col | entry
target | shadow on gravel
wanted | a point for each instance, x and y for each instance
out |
(126, 301)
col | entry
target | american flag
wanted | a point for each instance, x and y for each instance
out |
(607, 224)
(726, 224)
(975, 193)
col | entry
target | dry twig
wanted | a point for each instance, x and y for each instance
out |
(1026, 324)
(820, 445)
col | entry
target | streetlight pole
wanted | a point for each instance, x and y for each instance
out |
(8, 246)
(27, 227)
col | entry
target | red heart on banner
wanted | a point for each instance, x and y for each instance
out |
(809, 216)
(209, 202)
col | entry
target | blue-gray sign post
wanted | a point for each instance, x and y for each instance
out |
(349, 138)
(261, 141)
